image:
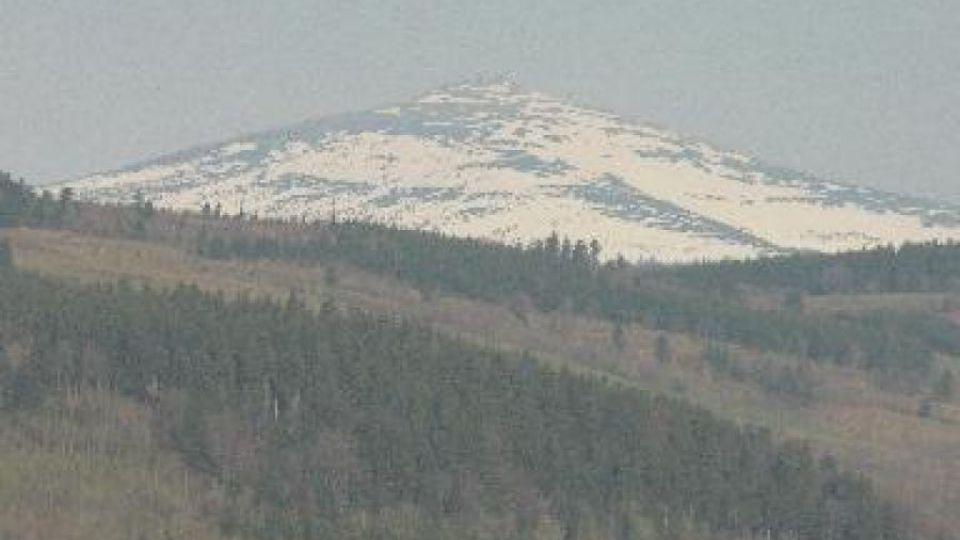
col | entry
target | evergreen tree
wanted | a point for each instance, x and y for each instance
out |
(618, 337)
(6, 254)
(662, 350)
(945, 386)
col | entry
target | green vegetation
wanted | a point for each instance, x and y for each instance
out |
(924, 267)
(6, 255)
(312, 419)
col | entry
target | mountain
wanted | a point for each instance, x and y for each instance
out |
(496, 161)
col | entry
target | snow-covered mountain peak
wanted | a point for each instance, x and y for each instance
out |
(495, 160)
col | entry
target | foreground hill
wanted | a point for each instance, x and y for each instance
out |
(498, 162)
(330, 425)
(837, 409)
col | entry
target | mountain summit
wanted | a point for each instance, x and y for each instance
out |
(496, 161)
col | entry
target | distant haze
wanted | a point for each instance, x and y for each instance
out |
(863, 91)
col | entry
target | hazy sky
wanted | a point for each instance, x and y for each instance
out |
(865, 91)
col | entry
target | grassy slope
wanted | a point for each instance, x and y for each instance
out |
(87, 467)
(914, 460)
(852, 303)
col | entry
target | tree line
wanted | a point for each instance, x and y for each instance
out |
(912, 267)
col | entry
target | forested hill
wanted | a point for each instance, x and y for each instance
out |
(380, 448)
(309, 420)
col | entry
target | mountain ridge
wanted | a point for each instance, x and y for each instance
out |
(496, 161)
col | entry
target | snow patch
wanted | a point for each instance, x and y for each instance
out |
(237, 148)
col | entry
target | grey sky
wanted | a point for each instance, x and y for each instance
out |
(865, 91)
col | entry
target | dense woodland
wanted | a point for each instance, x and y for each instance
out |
(310, 418)
(930, 267)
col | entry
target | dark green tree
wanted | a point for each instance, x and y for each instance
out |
(6, 254)
(944, 388)
(662, 350)
(618, 336)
